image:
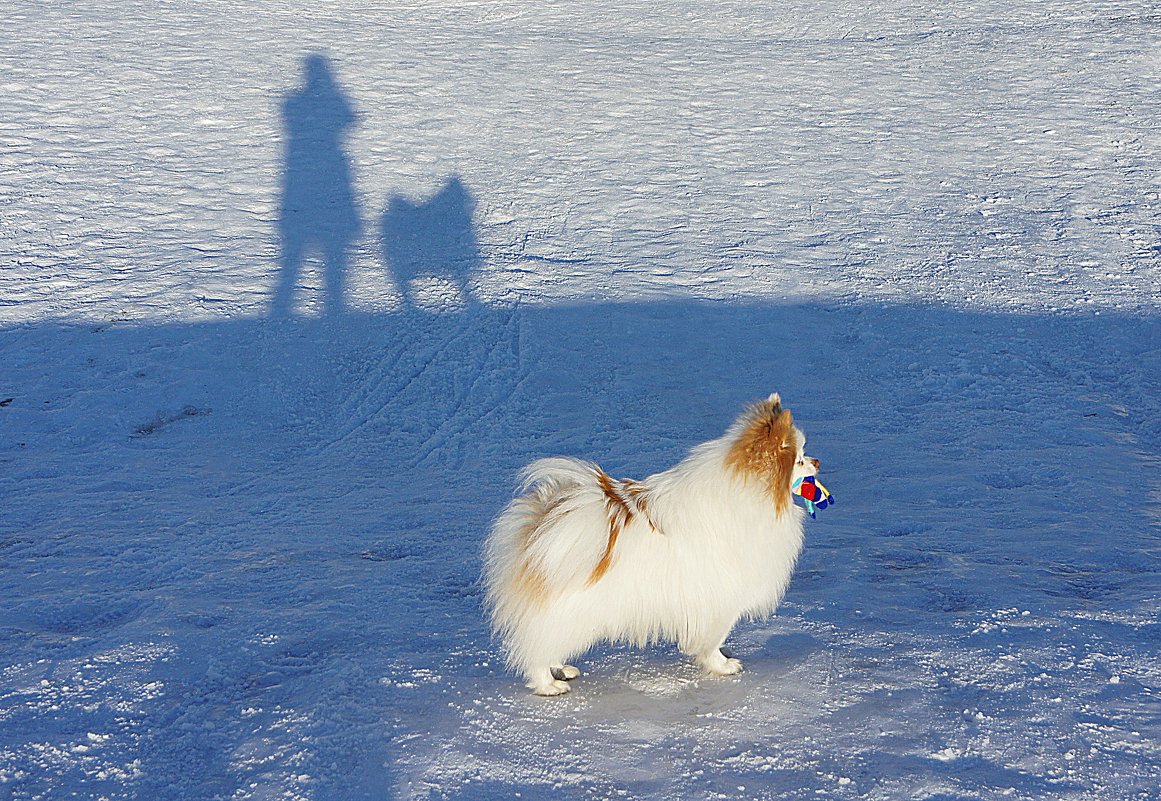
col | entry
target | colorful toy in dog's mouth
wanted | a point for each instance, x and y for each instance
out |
(811, 490)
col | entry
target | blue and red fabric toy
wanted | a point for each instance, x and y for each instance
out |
(813, 493)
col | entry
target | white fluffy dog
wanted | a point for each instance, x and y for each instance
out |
(581, 557)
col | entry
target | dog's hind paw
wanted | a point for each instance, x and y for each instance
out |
(553, 688)
(565, 672)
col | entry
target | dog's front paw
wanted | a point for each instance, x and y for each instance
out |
(718, 664)
(731, 667)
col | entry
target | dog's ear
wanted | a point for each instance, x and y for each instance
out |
(781, 431)
(775, 401)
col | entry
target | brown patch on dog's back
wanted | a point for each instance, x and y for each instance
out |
(624, 500)
(638, 495)
(766, 450)
(607, 557)
(620, 513)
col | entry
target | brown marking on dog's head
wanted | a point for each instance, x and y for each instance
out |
(767, 448)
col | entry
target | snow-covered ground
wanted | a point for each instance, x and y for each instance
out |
(242, 493)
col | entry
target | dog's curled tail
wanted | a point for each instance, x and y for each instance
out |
(513, 571)
(556, 537)
(556, 475)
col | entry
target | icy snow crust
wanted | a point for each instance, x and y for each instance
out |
(243, 493)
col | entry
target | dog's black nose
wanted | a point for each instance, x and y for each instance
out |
(817, 464)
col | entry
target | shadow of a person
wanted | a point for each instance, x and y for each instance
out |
(431, 249)
(318, 208)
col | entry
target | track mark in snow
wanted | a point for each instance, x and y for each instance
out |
(491, 380)
(162, 420)
(445, 374)
(423, 380)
